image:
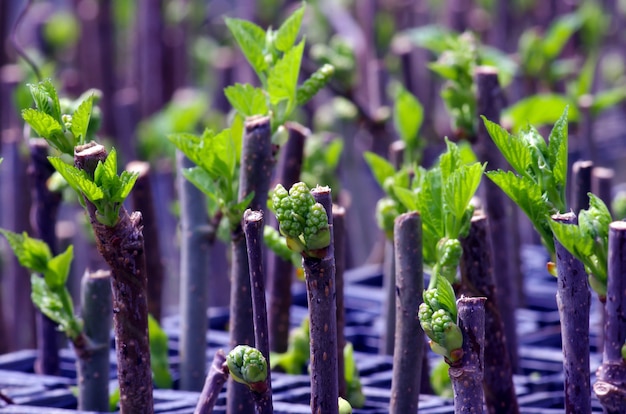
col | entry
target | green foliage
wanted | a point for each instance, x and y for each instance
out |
(295, 359)
(540, 109)
(49, 293)
(338, 53)
(344, 406)
(158, 355)
(247, 365)
(62, 130)
(440, 380)
(106, 190)
(588, 241)
(538, 184)
(354, 389)
(321, 159)
(408, 115)
(276, 59)
(301, 220)
(539, 52)
(437, 315)
(216, 174)
(278, 244)
(457, 57)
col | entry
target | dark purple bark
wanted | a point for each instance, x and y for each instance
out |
(339, 239)
(281, 271)
(610, 386)
(44, 213)
(573, 300)
(581, 177)
(320, 283)
(499, 207)
(477, 280)
(122, 246)
(409, 341)
(253, 230)
(215, 380)
(467, 374)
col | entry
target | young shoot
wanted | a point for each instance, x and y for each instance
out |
(276, 58)
(588, 241)
(248, 366)
(49, 293)
(537, 184)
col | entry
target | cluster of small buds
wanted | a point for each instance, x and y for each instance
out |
(301, 220)
(247, 365)
(439, 325)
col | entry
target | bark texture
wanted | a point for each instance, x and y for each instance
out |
(467, 375)
(573, 300)
(409, 341)
(320, 283)
(215, 380)
(610, 386)
(122, 247)
(477, 281)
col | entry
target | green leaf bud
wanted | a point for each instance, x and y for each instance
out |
(387, 210)
(247, 365)
(312, 86)
(344, 406)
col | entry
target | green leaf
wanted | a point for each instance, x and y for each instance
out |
(158, 354)
(127, 181)
(446, 297)
(332, 156)
(380, 167)
(59, 268)
(557, 149)
(54, 305)
(542, 109)
(559, 33)
(511, 147)
(49, 128)
(406, 197)
(459, 190)
(192, 146)
(46, 99)
(251, 40)
(110, 165)
(408, 115)
(572, 238)
(607, 99)
(247, 100)
(80, 120)
(77, 179)
(282, 82)
(450, 160)
(435, 38)
(33, 254)
(288, 32)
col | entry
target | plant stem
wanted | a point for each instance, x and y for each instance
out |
(193, 280)
(477, 280)
(93, 361)
(142, 198)
(467, 375)
(409, 342)
(396, 157)
(44, 219)
(215, 380)
(253, 230)
(499, 208)
(610, 386)
(339, 236)
(281, 271)
(320, 283)
(581, 174)
(573, 300)
(254, 176)
(122, 248)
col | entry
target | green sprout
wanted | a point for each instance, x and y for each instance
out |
(301, 220)
(344, 406)
(588, 241)
(49, 293)
(248, 366)
(537, 184)
(276, 59)
(437, 315)
(62, 130)
(106, 189)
